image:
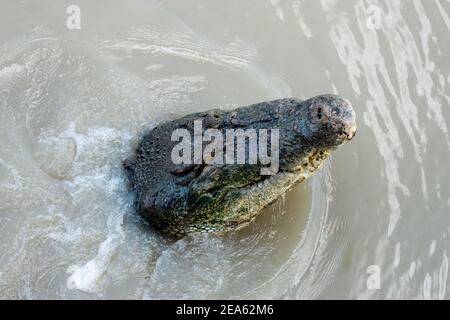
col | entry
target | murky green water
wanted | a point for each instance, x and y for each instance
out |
(73, 103)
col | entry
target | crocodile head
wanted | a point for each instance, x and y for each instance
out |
(180, 199)
(313, 128)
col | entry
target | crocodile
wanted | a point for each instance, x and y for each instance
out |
(203, 195)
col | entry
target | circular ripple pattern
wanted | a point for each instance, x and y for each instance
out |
(74, 102)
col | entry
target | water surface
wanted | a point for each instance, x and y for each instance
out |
(74, 103)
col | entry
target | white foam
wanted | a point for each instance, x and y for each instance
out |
(278, 9)
(397, 255)
(432, 248)
(296, 9)
(412, 269)
(443, 275)
(11, 70)
(426, 289)
(87, 277)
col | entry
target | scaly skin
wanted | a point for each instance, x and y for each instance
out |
(180, 200)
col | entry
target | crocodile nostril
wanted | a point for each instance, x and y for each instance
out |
(319, 113)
